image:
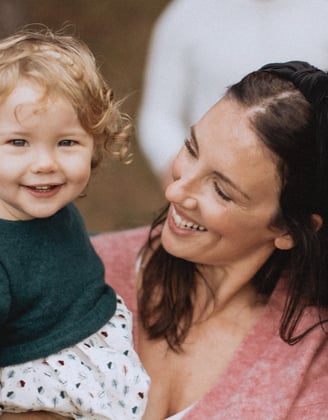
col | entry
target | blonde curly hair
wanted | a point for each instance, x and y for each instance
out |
(64, 65)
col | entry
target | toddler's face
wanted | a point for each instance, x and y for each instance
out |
(45, 154)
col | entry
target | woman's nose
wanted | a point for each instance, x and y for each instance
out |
(181, 191)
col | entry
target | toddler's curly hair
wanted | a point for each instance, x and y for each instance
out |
(64, 65)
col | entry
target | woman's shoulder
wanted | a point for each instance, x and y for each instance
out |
(119, 252)
(120, 244)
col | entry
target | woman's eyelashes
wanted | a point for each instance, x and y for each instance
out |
(190, 148)
(221, 193)
(192, 151)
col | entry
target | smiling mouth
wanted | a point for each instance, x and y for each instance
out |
(179, 222)
(42, 188)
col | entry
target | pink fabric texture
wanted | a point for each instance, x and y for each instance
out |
(267, 378)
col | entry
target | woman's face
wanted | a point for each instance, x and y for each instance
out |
(224, 194)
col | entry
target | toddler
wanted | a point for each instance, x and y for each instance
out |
(66, 338)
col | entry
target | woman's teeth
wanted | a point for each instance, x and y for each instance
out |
(184, 224)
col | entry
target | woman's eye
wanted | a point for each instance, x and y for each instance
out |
(221, 193)
(67, 143)
(189, 147)
(18, 142)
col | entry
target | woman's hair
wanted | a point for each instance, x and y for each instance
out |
(63, 65)
(285, 121)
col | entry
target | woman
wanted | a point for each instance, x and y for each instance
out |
(232, 285)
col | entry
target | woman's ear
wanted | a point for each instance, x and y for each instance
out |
(284, 242)
(317, 221)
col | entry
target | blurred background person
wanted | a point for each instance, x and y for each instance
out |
(199, 47)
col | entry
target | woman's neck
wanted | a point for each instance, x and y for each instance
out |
(228, 291)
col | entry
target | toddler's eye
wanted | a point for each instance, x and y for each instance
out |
(67, 143)
(18, 142)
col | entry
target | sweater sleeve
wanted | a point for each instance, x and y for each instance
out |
(162, 125)
(312, 401)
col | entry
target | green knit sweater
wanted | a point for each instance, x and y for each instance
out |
(52, 290)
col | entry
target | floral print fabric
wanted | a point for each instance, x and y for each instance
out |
(99, 378)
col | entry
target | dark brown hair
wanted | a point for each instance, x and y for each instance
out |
(285, 121)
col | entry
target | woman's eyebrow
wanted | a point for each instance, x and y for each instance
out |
(219, 174)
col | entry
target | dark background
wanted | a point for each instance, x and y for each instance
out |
(117, 31)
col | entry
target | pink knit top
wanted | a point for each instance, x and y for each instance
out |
(267, 378)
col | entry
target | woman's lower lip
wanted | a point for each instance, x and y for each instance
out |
(39, 193)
